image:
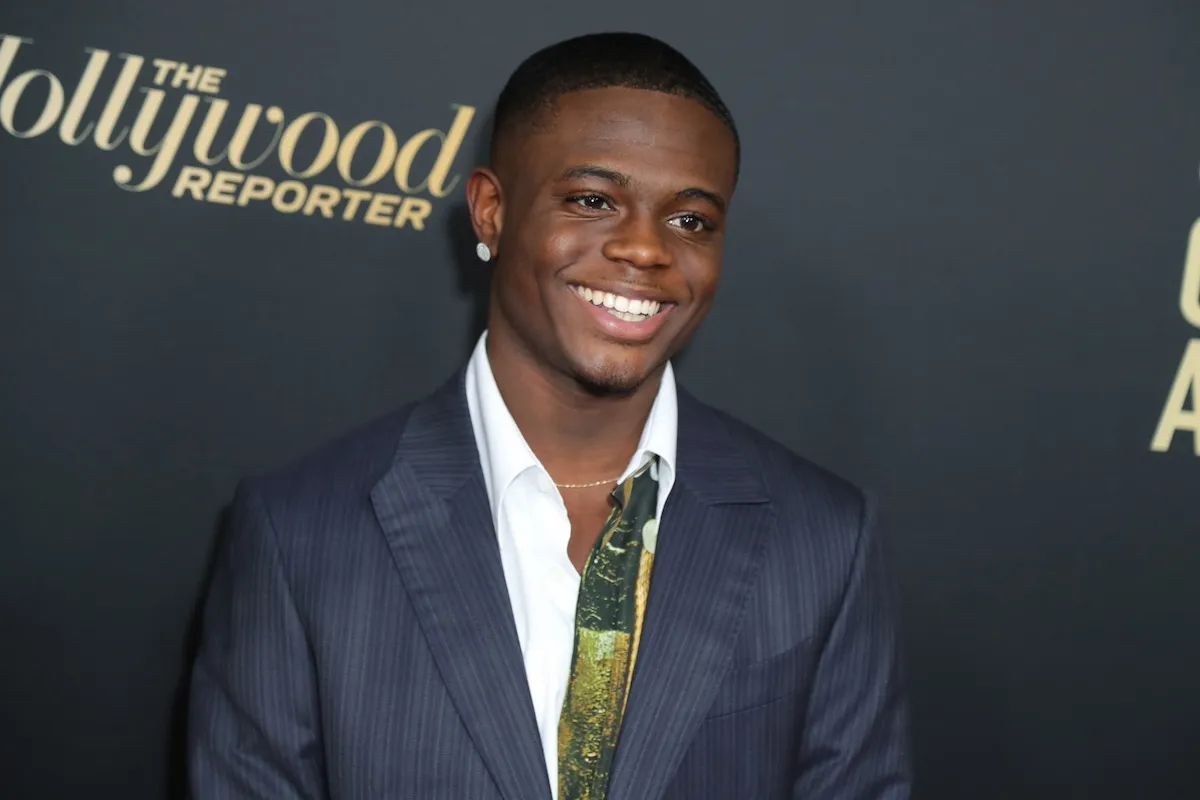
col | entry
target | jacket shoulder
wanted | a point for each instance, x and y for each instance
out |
(790, 479)
(343, 468)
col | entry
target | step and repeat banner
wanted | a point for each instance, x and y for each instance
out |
(962, 269)
(153, 82)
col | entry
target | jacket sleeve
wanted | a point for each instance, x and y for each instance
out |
(855, 743)
(253, 722)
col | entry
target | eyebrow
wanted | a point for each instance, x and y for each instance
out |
(591, 171)
(702, 194)
(622, 180)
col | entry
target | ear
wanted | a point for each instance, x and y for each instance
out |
(485, 198)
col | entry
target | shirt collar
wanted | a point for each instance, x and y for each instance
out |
(504, 454)
(659, 437)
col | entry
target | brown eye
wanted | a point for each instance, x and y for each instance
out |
(691, 223)
(593, 202)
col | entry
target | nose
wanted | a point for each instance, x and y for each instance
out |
(638, 241)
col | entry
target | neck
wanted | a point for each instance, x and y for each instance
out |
(578, 436)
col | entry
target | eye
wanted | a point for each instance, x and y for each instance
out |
(592, 202)
(693, 223)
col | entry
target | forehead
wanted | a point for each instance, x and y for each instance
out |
(646, 134)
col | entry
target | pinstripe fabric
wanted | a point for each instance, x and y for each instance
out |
(358, 641)
(433, 508)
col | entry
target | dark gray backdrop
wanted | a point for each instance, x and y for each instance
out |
(952, 274)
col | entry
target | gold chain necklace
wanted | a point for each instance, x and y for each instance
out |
(586, 485)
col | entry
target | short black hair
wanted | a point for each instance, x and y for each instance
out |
(601, 61)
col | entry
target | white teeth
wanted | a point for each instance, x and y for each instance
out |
(631, 310)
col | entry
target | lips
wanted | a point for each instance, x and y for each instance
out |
(623, 307)
(627, 319)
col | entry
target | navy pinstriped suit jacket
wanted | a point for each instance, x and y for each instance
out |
(358, 640)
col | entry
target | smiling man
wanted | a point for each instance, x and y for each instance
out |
(561, 576)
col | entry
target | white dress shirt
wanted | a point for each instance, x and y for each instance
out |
(533, 529)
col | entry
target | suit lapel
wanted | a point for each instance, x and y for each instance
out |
(434, 510)
(710, 548)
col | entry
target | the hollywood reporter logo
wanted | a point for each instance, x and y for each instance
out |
(1177, 415)
(354, 199)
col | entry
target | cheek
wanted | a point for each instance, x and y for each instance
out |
(547, 246)
(703, 277)
(564, 244)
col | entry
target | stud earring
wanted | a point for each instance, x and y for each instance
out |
(483, 251)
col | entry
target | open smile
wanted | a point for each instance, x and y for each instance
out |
(623, 307)
(629, 318)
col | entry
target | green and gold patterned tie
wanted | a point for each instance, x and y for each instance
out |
(608, 626)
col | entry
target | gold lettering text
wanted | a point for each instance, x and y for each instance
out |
(289, 206)
(451, 142)
(287, 145)
(414, 210)
(210, 81)
(381, 205)
(257, 187)
(322, 198)
(50, 111)
(223, 188)
(166, 148)
(9, 45)
(236, 150)
(193, 180)
(187, 74)
(116, 104)
(1175, 415)
(387, 153)
(68, 129)
(162, 68)
(353, 198)
(1189, 296)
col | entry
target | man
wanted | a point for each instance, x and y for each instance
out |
(473, 597)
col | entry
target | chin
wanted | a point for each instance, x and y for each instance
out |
(612, 374)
